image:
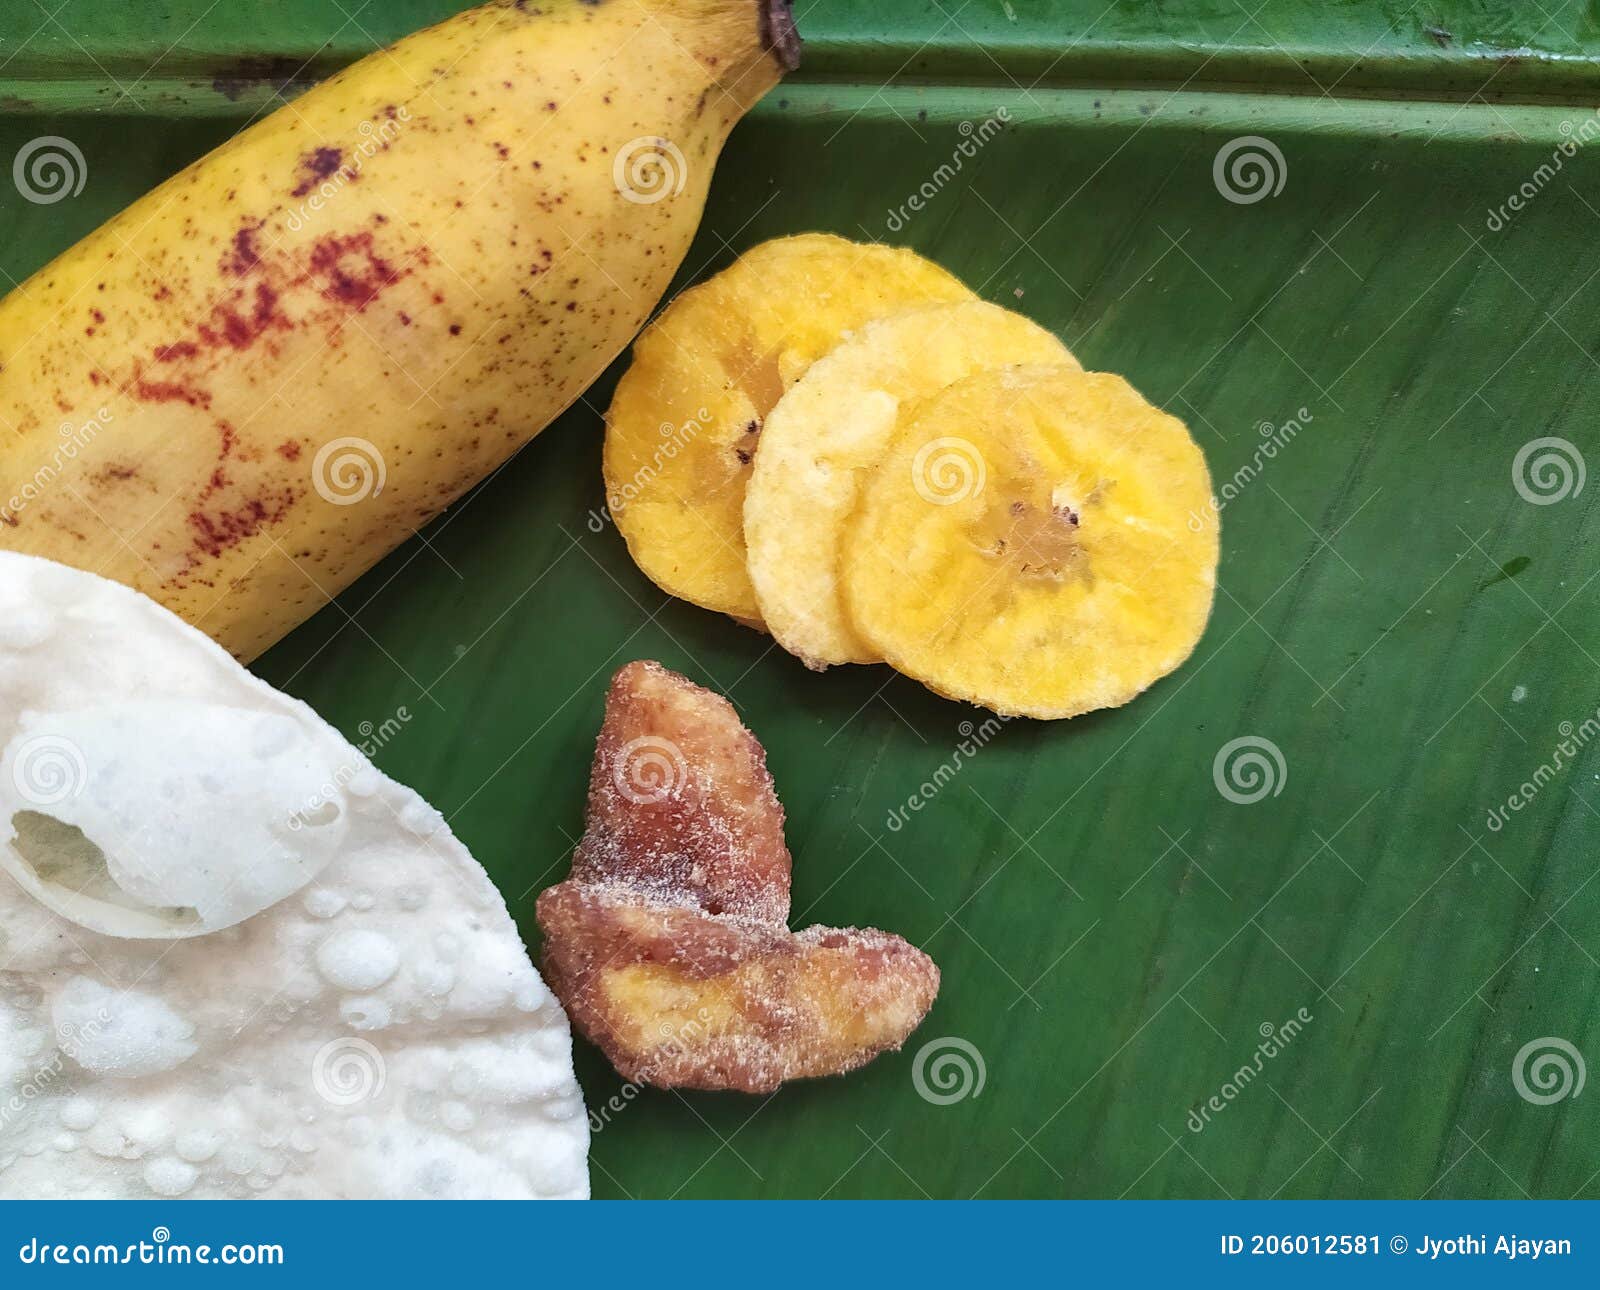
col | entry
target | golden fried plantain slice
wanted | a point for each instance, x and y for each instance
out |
(680, 800)
(1038, 540)
(680, 999)
(683, 426)
(827, 434)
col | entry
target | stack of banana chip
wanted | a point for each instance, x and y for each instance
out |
(841, 444)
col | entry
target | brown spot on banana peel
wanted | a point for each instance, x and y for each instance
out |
(216, 531)
(316, 353)
(316, 167)
(244, 254)
(149, 391)
(348, 271)
(352, 272)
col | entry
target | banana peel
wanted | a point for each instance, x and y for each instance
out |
(244, 390)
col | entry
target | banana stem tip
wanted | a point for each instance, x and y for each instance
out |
(779, 35)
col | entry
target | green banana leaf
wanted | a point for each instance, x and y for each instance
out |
(1315, 916)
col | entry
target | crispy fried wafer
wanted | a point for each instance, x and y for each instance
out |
(687, 416)
(668, 944)
(826, 436)
(1039, 541)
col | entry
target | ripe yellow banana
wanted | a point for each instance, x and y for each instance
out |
(249, 386)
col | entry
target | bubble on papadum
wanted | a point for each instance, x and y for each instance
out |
(170, 819)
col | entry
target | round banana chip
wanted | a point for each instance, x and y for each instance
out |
(826, 435)
(683, 427)
(1038, 540)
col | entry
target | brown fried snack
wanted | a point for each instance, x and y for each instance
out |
(668, 944)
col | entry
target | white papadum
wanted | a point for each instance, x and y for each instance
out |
(235, 958)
